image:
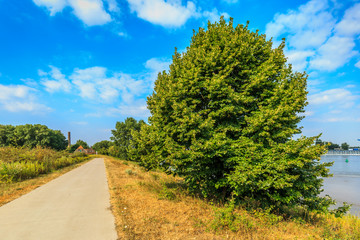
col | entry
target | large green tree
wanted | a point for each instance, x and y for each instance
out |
(223, 117)
(122, 137)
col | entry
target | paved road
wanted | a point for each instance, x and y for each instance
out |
(73, 206)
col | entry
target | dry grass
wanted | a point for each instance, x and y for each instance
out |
(11, 191)
(152, 205)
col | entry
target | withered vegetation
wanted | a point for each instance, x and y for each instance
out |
(153, 205)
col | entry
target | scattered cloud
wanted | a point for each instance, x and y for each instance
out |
(90, 12)
(29, 82)
(20, 98)
(357, 64)
(94, 83)
(299, 58)
(331, 56)
(160, 12)
(340, 97)
(214, 15)
(171, 14)
(54, 81)
(157, 65)
(316, 39)
(166, 13)
(113, 6)
(53, 6)
(136, 109)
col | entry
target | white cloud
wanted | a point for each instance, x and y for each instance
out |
(299, 58)
(18, 98)
(157, 64)
(136, 109)
(160, 12)
(334, 54)
(312, 28)
(308, 26)
(350, 24)
(339, 97)
(54, 81)
(90, 12)
(214, 15)
(113, 6)
(54, 6)
(93, 83)
(357, 64)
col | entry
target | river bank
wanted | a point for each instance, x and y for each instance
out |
(344, 185)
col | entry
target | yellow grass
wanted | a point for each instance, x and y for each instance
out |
(152, 205)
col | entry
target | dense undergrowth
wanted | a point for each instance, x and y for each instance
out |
(17, 164)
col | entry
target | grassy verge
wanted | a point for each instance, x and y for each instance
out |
(153, 205)
(13, 190)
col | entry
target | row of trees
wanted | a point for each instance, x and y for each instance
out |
(32, 136)
(223, 118)
(332, 146)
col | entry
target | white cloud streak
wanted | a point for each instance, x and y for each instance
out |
(90, 12)
(166, 14)
(338, 97)
(54, 81)
(20, 98)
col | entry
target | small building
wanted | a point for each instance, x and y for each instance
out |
(80, 149)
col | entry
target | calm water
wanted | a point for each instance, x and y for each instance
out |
(344, 186)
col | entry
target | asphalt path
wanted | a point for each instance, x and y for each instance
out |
(75, 206)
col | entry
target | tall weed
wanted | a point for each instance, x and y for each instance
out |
(17, 164)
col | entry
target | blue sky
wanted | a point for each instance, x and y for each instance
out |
(82, 65)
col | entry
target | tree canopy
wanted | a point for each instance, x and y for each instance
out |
(223, 117)
(32, 136)
(122, 137)
(102, 147)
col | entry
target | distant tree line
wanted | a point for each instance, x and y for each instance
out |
(121, 140)
(332, 146)
(31, 136)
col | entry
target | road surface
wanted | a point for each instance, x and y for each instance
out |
(74, 206)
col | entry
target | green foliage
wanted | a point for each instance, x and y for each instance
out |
(226, 218)
(102, 147)
(31, 136)
(345, 146)
(122, 137)
(167, 193)
(129, 172)
(342, 210)
(332, 146)
(78, 144)
(17, 164)
(223, 118)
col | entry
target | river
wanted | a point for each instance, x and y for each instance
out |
(344, 186)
